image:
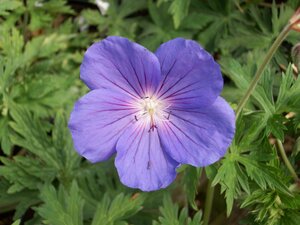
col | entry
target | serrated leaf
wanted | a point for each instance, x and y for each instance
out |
(57, 211)
(223, 17)
(172, 216)
(24, 172)
(270, 207)
(264, 175)
(114, 212)
(227, 177)
(275, 125)
(11, 42)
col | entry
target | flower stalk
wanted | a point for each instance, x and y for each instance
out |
(208, 202)
(293, 24)
(262, 67)
(286, 161)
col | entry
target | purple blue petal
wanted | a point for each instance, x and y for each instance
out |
(190, 76)
(199, 137)
(122, 66)
(141, 162)
(97, 121)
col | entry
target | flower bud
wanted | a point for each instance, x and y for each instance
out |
(295, 21)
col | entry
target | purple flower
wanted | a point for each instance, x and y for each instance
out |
(155, 111)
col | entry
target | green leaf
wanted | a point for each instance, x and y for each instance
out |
(161, 29)
(116, 211)
(221, 18)
(61, 207)
(17, 222)
(211, 171)
(275, 125)
(93, 17)
(55, 152)
(8, 5)
(250, 131)
(191, 180)
(43, 14)
(28, 200)
(242, 75)
(32, 135)
(262, 27)
(264, 175)
(11, 42)
(272, 208)
(129, 7)
(289, 93)
(227, 177)
(179, 9)
(172, 216)
(5, 141)
(24, 172)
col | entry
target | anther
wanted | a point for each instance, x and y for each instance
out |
(169, 114)
(135, 117)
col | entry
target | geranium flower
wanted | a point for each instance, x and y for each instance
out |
(154, 111)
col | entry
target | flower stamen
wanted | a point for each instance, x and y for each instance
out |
(152, 111)
(169, 114)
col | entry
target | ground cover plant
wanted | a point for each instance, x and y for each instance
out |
(43, 180)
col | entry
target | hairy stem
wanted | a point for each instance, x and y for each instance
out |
(208, 202)
(286, 161)
(262, 67)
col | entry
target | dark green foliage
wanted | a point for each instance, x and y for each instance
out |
(172, 216)
(44, 181)
(274, 208)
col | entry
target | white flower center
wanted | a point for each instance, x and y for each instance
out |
(152, 111)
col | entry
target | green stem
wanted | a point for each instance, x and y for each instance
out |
(25, 21)
(208, 203)
(262, 67)
(286, 161)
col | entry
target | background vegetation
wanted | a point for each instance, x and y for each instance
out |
(44, 181)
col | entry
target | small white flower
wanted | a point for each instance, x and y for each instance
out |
(38, 4)
(102, 5)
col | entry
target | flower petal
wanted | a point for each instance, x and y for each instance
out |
(141, 162)
(191, 77)
(97, 121)
(121, 65)
(199, 137)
